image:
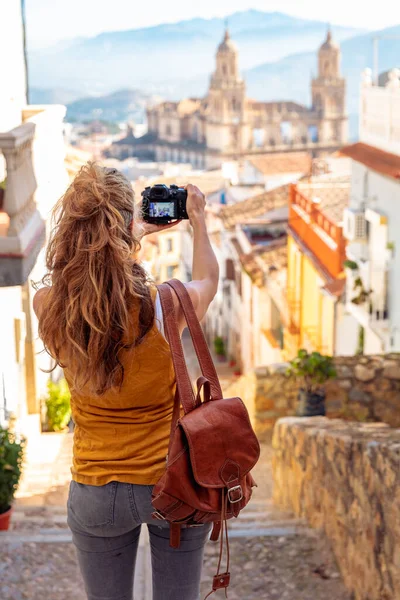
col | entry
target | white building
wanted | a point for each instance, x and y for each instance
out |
(371, 223)
(249, 240)
(32, 177)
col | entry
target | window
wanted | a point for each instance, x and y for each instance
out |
(318, 102)
(230, 270)
(168, 129)
(171, 271)
(258, 137)
(286, 131)
(170, 244)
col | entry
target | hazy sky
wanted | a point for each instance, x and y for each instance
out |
(49, 21)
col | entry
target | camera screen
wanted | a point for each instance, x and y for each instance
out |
(162, 209)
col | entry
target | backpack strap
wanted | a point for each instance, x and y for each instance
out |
(185, 390)
(200, 345)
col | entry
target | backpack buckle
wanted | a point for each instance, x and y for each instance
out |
(235, 494)
(157, 515)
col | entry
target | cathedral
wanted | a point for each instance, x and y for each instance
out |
(227, 125)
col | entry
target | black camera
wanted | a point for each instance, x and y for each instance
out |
(162, 204)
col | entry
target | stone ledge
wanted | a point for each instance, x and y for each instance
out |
(344, 477)
(366, 389)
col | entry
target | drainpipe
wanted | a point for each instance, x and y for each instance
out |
(25, 50)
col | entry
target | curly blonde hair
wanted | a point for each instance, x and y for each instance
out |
(93, 280)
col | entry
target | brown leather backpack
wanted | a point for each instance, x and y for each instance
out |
(212, 446)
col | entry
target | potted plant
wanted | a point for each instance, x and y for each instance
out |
(219, 348)
(313, 369)
(11, 458)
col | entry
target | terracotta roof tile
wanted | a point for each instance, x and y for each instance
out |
(285, 162)
(255, 207)
(331, 197)
(262, 260)
(378, 160)
(335, 287)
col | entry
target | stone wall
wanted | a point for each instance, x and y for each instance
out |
(367, 388)
(345, 478)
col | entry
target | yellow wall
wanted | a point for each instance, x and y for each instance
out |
(309, 308)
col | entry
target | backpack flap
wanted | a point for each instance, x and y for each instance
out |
(222, 444)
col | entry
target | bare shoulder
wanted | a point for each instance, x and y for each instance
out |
(193, 293)
(38, 300)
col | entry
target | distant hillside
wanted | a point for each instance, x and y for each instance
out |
(121, 105)
(52, 96)
(156, 58)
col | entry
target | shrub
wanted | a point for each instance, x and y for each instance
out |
(58, 405)
(314, 369)
(11, 458)
(350, 264)
(219, 346)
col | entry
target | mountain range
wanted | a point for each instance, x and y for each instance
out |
(165, 58)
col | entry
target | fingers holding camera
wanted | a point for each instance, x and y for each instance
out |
(195, 204)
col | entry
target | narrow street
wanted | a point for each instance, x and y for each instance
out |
(273, 555)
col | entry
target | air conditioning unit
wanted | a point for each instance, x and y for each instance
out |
(354, 225)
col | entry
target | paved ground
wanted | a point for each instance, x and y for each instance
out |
(273, 555)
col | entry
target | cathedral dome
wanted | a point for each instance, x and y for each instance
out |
(227, 45)
(329, 44)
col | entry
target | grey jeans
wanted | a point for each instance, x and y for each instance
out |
(105, 522)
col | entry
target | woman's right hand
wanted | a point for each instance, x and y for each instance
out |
(195, 203)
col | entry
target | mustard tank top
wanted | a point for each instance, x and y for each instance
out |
(124, 434)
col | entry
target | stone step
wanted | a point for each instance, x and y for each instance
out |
(265, 523)
(260, 528)
(21, 517)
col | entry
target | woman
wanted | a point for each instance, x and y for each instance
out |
(101, 320)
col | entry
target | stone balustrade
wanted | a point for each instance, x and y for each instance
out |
(36, 177)
(367, 388)
(345, 478)
(23, 228)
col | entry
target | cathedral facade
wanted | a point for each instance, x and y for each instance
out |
(227, 125)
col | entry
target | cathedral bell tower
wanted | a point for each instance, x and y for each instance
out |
(329, 94)
(226, 103)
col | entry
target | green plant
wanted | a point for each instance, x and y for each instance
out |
(314, 369)
(389, 245)
(11, 458)
(350, 264)
(362, 294)
(361, 341)
(219, 346)
(58, 405)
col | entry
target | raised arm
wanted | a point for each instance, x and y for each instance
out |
(205, 270)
